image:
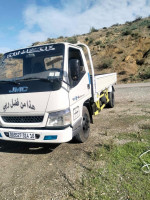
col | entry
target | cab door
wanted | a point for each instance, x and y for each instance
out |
(80, 87)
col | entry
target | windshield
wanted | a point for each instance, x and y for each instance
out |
(42, 61)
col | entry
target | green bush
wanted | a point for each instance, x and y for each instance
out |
(105, 63)
(108, 33)
(137, 19)
(128, 23)
(91, 40)
(72, 40)
(49, 40)
(86, 39)
(135, 35)
(98, 42)
(133, 27)
(92, 29)
(126, 32)
(117, 24)
(60, 37)
(102, 45)
(140, 62)
(145, 74)
(145, 22)
(35, 43)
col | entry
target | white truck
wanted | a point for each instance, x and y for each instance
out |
(48, 96)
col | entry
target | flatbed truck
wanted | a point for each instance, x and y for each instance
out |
(47, 94)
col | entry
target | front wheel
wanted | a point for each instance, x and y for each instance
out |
(83, 135)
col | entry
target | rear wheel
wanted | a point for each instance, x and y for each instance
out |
(111, 102)
(83, 135)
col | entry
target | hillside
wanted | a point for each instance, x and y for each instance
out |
(124, 49)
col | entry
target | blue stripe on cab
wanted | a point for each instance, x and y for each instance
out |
(89, 78)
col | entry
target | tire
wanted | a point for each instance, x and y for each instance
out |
(111, 102)
(83, 135)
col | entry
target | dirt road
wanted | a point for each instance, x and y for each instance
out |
(51, 172)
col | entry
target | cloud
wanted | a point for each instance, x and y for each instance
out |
(76, 17)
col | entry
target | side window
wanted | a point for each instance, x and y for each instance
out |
(75, 54)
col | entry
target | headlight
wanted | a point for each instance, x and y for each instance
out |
(61, 118)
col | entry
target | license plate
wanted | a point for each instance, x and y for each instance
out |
(18, 135)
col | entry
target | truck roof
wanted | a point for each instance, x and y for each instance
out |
(65, 43)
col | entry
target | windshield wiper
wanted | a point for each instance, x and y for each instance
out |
(65, 82)
(13, 81)
(33, 78)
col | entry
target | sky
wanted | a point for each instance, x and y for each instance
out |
(23, 22)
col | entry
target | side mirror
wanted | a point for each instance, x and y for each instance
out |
(74, 65)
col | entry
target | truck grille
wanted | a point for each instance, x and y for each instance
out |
(23, 119)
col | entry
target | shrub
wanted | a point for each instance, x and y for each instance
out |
(145, 74)
(124, 80)
(120, 51)
(72, 40)
(140, 62)
(128, 23)
(98, 42)
(86, 39)
(105, 63)
(60, 37)
(126, 32)
(137, 19)
(144, 22)
(35, 43)
(117, 24)
(135, 35)
(49, 40)
(90, 40)
(133, 27)
(102, 45)
(92, 29)
(108, 33)
(122, 72)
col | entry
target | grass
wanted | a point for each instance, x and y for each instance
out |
(121, 176)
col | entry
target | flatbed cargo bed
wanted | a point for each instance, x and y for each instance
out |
(104, 81)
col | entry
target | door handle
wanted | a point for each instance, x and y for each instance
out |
(88, 86)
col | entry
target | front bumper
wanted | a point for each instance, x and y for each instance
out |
(45, 136)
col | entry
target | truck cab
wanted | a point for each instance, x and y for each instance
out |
(46, 94)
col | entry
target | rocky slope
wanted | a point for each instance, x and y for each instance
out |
(124, 49)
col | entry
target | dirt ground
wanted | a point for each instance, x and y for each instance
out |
(38, 172)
